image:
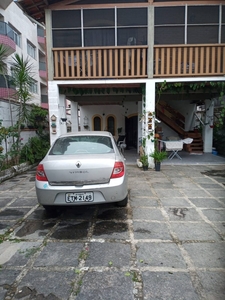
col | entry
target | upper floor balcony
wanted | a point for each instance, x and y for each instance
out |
(7, 37)
(42, 70)
(131, 61)
(41, 35)
(7, 89)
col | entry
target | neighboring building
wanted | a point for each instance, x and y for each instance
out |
(20, 34)
(107, 57)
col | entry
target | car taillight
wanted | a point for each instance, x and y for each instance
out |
(118, 170)
(40, 173)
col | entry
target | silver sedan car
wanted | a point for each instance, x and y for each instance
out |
(82, 168)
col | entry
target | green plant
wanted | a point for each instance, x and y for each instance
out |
(158, 156)
(22, 79)
(144, 159)
(35, 149)
(38, 118)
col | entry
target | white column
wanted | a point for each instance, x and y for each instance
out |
(150, 64)
(148, 112)
(207, 131)
(62, 113)
(53, 102)
(74, 116)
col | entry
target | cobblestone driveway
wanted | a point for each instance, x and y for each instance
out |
(169, 243)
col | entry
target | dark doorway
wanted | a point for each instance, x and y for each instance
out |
(131, 132)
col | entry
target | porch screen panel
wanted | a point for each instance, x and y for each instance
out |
(223, 14)
(223, 34)
(99, 37)
(169, 35)
(202, 35)
(132, 36)
(169, 15)
(203, 14)
(169, 25)
(203, 24)
(223, 25)
(99, 27)
(132, 26)
(66, 38)
(66, 28)
(66, 19)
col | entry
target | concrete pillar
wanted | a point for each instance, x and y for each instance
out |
(74, 116)
(148, 120)
(62, 114)
(150, 65)
(53, 101)
(49, 46)
(207, 131)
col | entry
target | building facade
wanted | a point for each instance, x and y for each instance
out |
(20, 34)
(114, 60)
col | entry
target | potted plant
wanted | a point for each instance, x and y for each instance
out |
(144, 160)
(158, 156)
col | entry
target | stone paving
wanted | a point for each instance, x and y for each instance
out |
(169, 243)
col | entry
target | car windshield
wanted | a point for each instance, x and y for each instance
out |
(82, 144)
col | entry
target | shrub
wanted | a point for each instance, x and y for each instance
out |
(35, 149)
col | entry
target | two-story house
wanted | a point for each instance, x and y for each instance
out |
(25, 36)
(109, 57)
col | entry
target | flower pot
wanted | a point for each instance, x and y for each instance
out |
(157, 166)
(145, 168)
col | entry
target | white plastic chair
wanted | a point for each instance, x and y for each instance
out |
(122, 145)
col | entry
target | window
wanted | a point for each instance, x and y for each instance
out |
(111, 125)
(66, 26)
(197, 24)
(203, 24)
(16, 36)
(34, 87)
(88, 145)
(131, 26)
(223, 25)
(99, 27)
(97, 123)
(169, 25)
(31, 50)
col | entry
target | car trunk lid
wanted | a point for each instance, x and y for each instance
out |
(79, 170)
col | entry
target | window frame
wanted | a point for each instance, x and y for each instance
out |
(31, 49)
(187, 25)
(115, 27)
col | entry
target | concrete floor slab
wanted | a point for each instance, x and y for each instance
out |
(167, 244)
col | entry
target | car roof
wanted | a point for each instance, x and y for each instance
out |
(88, 133)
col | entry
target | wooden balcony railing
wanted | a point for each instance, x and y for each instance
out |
(189, 60)
(103, 62)
(131, 61)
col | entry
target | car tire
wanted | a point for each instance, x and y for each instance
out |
(49, 208)
(122, 203)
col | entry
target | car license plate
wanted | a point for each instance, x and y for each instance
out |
(79, 197)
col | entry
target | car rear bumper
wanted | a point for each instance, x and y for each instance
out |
(114, 191)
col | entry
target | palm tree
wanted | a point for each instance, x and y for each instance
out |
(3, 72)
(22, 79)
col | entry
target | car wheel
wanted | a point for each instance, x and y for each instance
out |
(49, 208)
(122, 203)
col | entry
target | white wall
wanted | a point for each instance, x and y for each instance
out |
(118, 111)
(5, 113)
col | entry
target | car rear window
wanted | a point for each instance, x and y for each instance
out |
(82, 145)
